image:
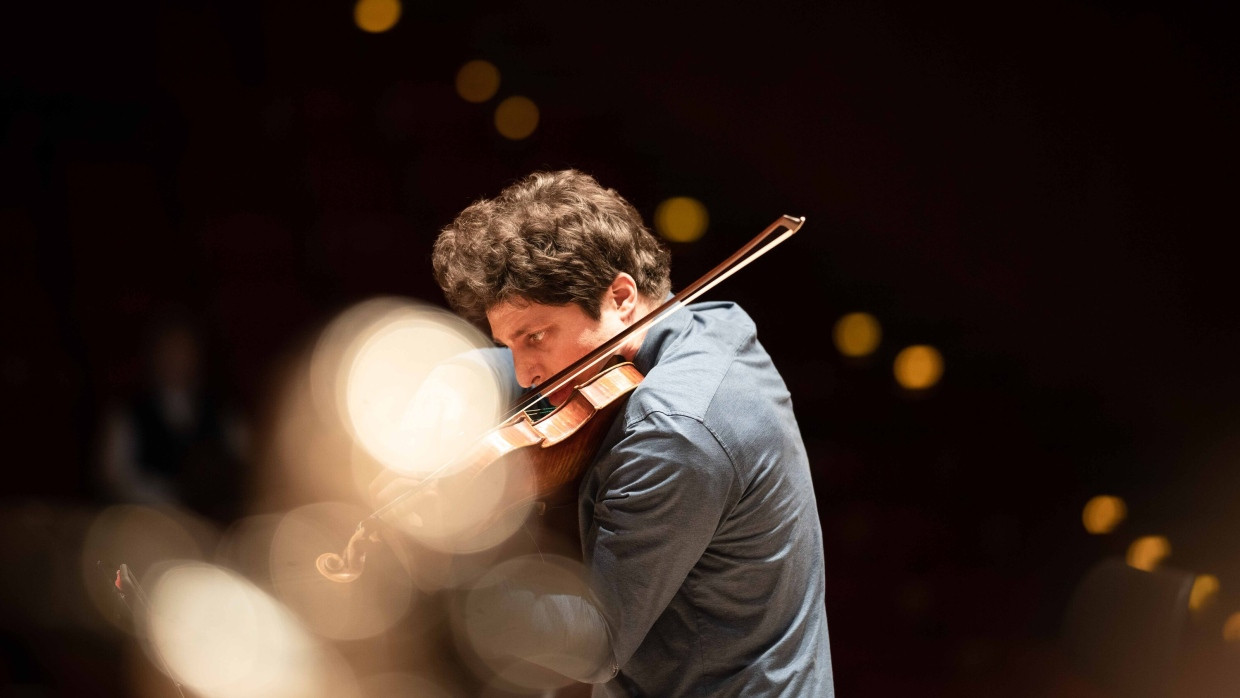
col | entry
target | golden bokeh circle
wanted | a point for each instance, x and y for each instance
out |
(477, 81)
(516, 117)
(681, 219)
(376, 16)
(857, 334)
(918, 367)
(1205, 590)
(1148, 552)
(1103, 513)
(1231, 628)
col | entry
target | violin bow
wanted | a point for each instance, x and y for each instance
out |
(764, 242)
(348, 566)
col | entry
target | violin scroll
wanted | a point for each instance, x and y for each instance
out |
(348, 567)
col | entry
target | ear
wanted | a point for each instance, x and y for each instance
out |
(622, 296)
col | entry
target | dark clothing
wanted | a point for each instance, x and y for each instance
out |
(699, 524)
(188, 458)
(163, 448)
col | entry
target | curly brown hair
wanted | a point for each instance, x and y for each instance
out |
(552, 238)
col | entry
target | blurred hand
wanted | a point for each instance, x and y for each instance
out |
(419, 499)
(432, 498)
(435, 427)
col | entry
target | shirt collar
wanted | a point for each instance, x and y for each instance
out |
(661, 336)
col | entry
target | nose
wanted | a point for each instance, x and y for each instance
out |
(528, 373)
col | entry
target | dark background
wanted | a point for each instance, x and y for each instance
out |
(1044, 192)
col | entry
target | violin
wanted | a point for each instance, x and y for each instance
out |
(561, 444)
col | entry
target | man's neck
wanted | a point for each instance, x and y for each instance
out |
(631, 345)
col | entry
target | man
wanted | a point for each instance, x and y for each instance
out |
(697, 516)
(174, 442)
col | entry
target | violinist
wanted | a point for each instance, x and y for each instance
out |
(697, 515)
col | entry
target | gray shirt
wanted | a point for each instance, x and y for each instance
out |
(699, 524)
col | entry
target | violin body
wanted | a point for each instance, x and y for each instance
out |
(567, 438)
(544, 455)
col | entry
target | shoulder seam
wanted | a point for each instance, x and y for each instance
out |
(722, 446)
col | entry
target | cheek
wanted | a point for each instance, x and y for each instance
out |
(568, 353)
(601, 336)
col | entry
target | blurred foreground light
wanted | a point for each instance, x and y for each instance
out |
(399, 377)
(496, 621)
(396, 685)
(857, 334)
(477, 81)
(365, 607)
(308, 458)
(376, 16)
(1205, 590)
(246, 546)
(681, 219)
(1103, 513)
(918, 367)
(1231, 628)
(516, 118)
(222, 637)
(140, 538)
(1148, 552)
(463, 513)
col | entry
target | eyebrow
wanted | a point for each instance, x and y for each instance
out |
(521, 332)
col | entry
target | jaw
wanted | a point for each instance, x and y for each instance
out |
(560, 396)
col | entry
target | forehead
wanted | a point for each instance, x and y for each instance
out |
(509, 319)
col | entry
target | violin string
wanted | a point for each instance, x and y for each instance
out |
(533, 539)
(535, 413)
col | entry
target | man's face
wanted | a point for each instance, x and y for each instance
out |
(545, 339)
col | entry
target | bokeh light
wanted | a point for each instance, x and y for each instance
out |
(516, 117)
(399, 685)
(140, 538)
(369, 605)
(308, 452)
(332, 349)
(477, 81)
(407, 383)
(495, 622)
(1231, 628)
(376, 16)
(918, 367)
(221, 636)
(246, 546)
(1148, 552)
(857, 334)
(1204, 592)
(465, 513)
(1103, 513)
(382, 369)
(681, 219)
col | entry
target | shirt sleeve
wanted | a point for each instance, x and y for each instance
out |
(665, 488)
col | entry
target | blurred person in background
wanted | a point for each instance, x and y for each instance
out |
(174, 441)
(697, 516)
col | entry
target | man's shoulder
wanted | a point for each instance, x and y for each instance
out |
(695, 367)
